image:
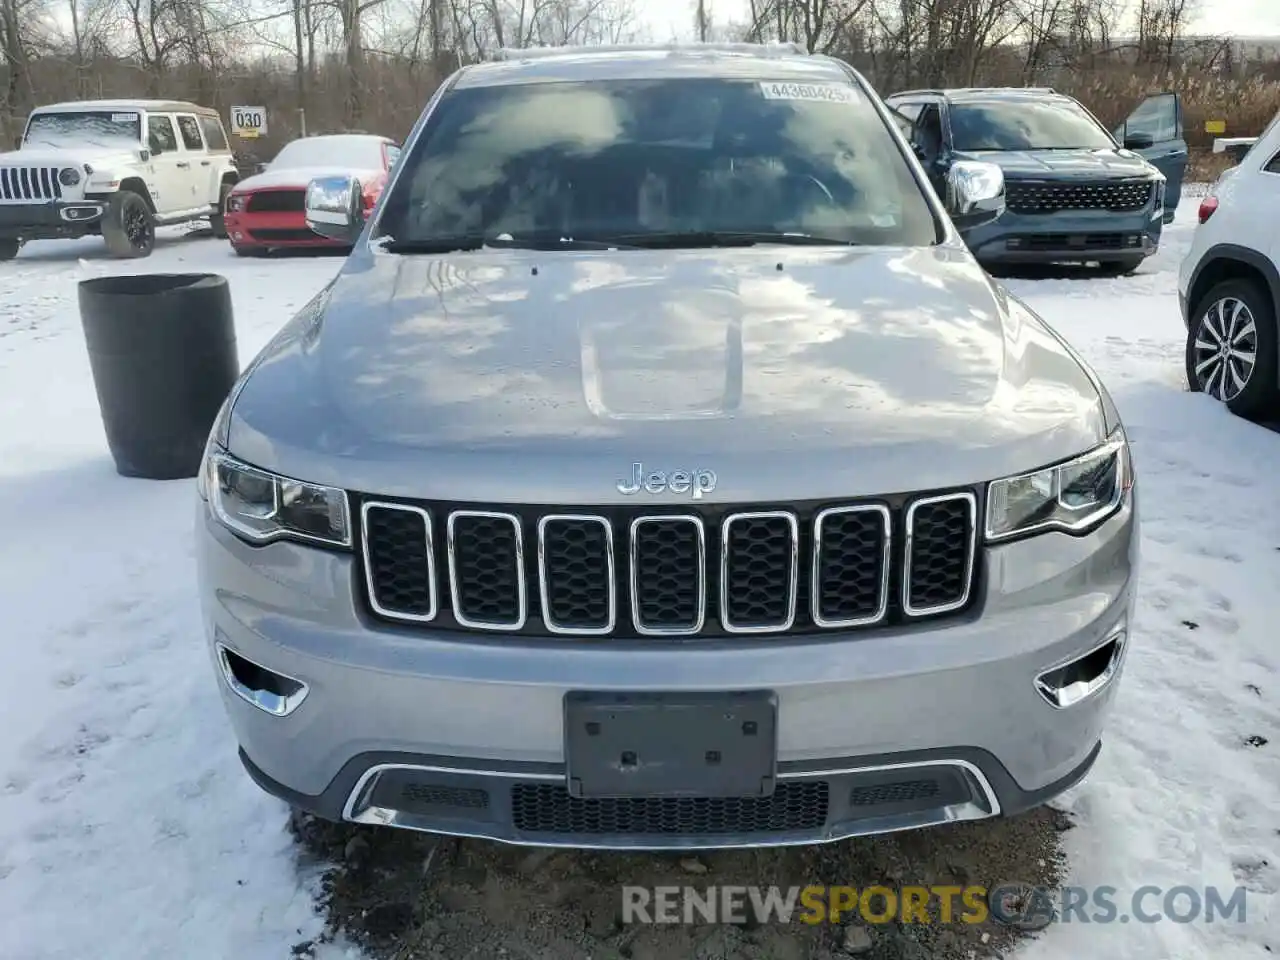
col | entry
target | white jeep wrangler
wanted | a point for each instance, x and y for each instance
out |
(115, 168)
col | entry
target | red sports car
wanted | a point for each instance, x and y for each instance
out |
(266, 211)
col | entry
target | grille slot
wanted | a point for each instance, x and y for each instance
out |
(277, 201)
(712, 572)
(24, 184)
(851, 565)
(576, 574)
(549, 808)
(486, 570)
(1034, 197)
(668, 575)
(937, 577)
(759, 566)
(399, 560)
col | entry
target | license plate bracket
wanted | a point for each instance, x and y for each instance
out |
(671, 745)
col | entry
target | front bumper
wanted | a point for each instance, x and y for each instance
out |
(273, 230)
(879, 730)
(51, 220)
(1067, 237)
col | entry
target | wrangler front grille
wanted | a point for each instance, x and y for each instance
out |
(1034, 196)
(710, 571)
(29, 184)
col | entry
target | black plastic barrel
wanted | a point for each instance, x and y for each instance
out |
(162, 348)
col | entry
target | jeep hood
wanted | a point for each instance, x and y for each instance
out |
(792, 372)
(1064, 164)
(69, 154)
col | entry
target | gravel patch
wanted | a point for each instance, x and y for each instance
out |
(408, 896)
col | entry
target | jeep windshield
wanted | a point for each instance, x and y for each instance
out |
(106, 129)
(1025, 125)
(669, 162)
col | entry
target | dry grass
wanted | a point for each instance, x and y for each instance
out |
(1247, 105)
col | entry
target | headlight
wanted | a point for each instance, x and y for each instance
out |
(263, 507)
(1071, 497)
(236, 202)
(69, 176)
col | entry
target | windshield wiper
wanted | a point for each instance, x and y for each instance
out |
(477, 241)
(728, 238)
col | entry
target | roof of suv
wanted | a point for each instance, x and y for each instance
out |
(742, 61)
(105, 106)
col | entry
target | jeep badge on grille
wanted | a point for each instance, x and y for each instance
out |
(699, 482)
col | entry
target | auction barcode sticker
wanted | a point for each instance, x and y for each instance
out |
(829, 92)
(123, 117)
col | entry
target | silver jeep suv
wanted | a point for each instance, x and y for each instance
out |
(661, 470)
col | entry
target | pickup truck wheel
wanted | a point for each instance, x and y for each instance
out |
(9, 249)
(128, 227)
(218, 222)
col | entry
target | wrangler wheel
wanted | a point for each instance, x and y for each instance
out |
(128, 227)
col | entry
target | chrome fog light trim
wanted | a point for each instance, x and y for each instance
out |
(1084, 675)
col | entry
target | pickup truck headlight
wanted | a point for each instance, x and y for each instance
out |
(1071, 497)
(262, 507)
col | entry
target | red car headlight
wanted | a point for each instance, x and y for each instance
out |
(236, 203)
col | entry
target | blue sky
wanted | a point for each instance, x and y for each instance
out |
(1230, 17)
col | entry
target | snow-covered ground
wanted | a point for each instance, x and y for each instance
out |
(129, 831)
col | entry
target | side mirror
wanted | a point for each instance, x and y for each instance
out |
(975, 193)
(333, 208)
(17, 142)
(1138, 141)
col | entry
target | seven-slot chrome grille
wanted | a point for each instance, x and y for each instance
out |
(27, 184)
(708, 571)
(1034, 196)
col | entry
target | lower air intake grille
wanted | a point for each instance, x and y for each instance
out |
(549, 808)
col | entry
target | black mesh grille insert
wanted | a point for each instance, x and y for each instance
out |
(486, 567)
(901, 792)
(938, 571)
(759, 566)
(577, 573)
(851, 564)
(548, 808)
(277, 201)
(399, 560)
(670, 584)
(425, 795)
(1022, 197)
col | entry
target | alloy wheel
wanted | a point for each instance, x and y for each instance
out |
(1225, 349)
(137, 226)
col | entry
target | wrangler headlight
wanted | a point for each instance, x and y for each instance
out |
(262, 507)
(1072, 497)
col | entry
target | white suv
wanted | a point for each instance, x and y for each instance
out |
(1229, 285)
(114, 168)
